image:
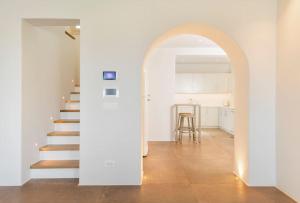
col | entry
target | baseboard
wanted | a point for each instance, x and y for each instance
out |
(287, 194)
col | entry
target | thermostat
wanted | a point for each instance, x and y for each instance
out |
(110, 92)
(109, 75)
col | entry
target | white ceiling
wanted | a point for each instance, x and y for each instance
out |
(208, 57)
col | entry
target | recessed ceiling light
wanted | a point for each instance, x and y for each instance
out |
(77, 26)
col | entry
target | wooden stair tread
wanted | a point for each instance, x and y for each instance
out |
(77, 85)
(65, 147)
(67, 121)
(72, 101)
(69, 110)
(75, 92)
(52, 164)
(64, 133)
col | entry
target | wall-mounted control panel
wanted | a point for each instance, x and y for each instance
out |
(109, 75)
(110, 92)
(110, 89)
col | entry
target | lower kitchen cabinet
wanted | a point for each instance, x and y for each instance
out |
(209, 117)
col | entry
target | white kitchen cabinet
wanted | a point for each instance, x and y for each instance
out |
(226, 119)
(203, 83)
(209, 117)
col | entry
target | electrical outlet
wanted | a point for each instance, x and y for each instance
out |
(109, 163)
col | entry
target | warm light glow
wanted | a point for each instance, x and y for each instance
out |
(36, 144)
(145, 177)
(77, 26)
(51, 118)
(63, 97)
(240, 170)
(72, 81)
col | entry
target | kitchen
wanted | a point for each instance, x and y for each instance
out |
(188, 69)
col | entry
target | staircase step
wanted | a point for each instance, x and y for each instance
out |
(64, 133)
(66, 147)
(72, 104)
(67, 121)
(61, 140)
(55, 164)
(70, 115)
(77, 85)
(69, 110)
(75, 96)
(72, 101)
(77, 88)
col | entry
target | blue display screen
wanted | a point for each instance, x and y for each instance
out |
(109, 75)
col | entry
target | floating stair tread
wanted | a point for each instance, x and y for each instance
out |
(70, 110)
(75, 92)
(65, 147)
(64, 133)
(72, 101)
(77, 85)
(67, 121)
(52, 164)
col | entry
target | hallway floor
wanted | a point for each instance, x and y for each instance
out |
(173, 173)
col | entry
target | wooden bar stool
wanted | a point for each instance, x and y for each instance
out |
(181, 128)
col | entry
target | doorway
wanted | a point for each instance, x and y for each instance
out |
(238, 98)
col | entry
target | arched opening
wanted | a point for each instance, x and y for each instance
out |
(240, 70)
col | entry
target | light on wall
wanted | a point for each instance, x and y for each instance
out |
(77, 27)
(240, 170)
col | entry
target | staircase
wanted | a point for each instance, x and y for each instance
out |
(60, 157)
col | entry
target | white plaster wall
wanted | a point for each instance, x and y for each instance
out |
(288, 98)
(10, 99)
(49, 64)
(117, 34)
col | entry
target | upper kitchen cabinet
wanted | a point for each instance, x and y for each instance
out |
(203, 83)
(203, 74)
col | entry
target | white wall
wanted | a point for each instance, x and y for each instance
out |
(117, 34)
(208, 100)
(49, 64)
(288, 98)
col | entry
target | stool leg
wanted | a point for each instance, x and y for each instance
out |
(189, 126)
(181, 128)
(177, 130)
(177, 138)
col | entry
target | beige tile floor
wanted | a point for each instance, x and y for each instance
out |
(173, 173)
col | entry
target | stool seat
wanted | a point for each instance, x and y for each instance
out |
(186, 114)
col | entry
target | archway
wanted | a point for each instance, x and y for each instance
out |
(241, 91)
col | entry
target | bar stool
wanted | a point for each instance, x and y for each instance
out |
(181, 128)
